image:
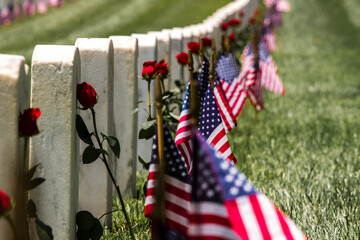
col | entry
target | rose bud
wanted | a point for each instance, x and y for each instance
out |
(256, 13)
(194, 46)
(242, 13)
(232, 37)
(206, 41)
(225, 26)
(162, 68)
(5, 203)
(148, 71)
(234, 22)
(182, 58)
(86, 95)
(27, 122)
(252, 21)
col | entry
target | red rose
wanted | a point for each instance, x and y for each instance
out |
(27, 122)
(182, 58)
(148, 71)
(86, 95)
(242, 13)
(5, 203)
(194, 46)
(225, 26)
(232, 37)
(206, 41)
(256, 13)
(234, 22)
(252, 21)
(162, 68)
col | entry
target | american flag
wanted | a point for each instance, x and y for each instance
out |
(225, 205)
(269, 77)
(224, 108)
(183, 139)
(208, 217)
(177, 185)
(269, 39)
(232, 83)
(212, 127)
(252, 78)
(221, 100)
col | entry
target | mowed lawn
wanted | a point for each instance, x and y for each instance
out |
(303, 153)
(101, 18)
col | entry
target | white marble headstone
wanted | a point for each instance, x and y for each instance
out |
(55, 72)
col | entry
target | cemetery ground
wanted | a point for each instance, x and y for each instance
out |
(303, 151)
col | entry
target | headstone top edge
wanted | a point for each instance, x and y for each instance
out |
(54, 53)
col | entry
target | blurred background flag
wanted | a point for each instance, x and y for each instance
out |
(269, 76)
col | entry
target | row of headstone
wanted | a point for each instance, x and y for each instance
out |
(111, 65)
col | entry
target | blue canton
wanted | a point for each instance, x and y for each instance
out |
(204, 79)
(227, 68)
(233, 183)
(205, 185)
(210, 117)
(174, 163)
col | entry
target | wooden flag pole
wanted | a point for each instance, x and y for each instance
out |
(201, 51)
(255, 36)
(212, 67)
(223, 48)
(160, 198)
(194, 92)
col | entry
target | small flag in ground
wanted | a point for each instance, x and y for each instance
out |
(183, 139)
(227, 68)
(252, 78)
(212, 127)
(235, 86)
(208, 217)
(224, 203)
(177, 185)
(221, 100)
(269, 77)
(224, 107)
(269, 39)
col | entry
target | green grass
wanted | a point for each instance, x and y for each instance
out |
(303, 152)
(96, 18)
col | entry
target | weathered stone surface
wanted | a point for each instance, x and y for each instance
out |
(14, 93)
(163, 50)
(216, 30)
(147, 52)
(55, 71)
(95, 186)
(176, 69)
(125, 98)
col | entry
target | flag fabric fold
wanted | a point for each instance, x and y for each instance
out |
(183, 139)
(212, 127)
(269, 39)
(226, 205)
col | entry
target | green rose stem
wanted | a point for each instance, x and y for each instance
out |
(111, 175)
(10, 221)
(149, 101)
(25, 196)
(162, 84)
